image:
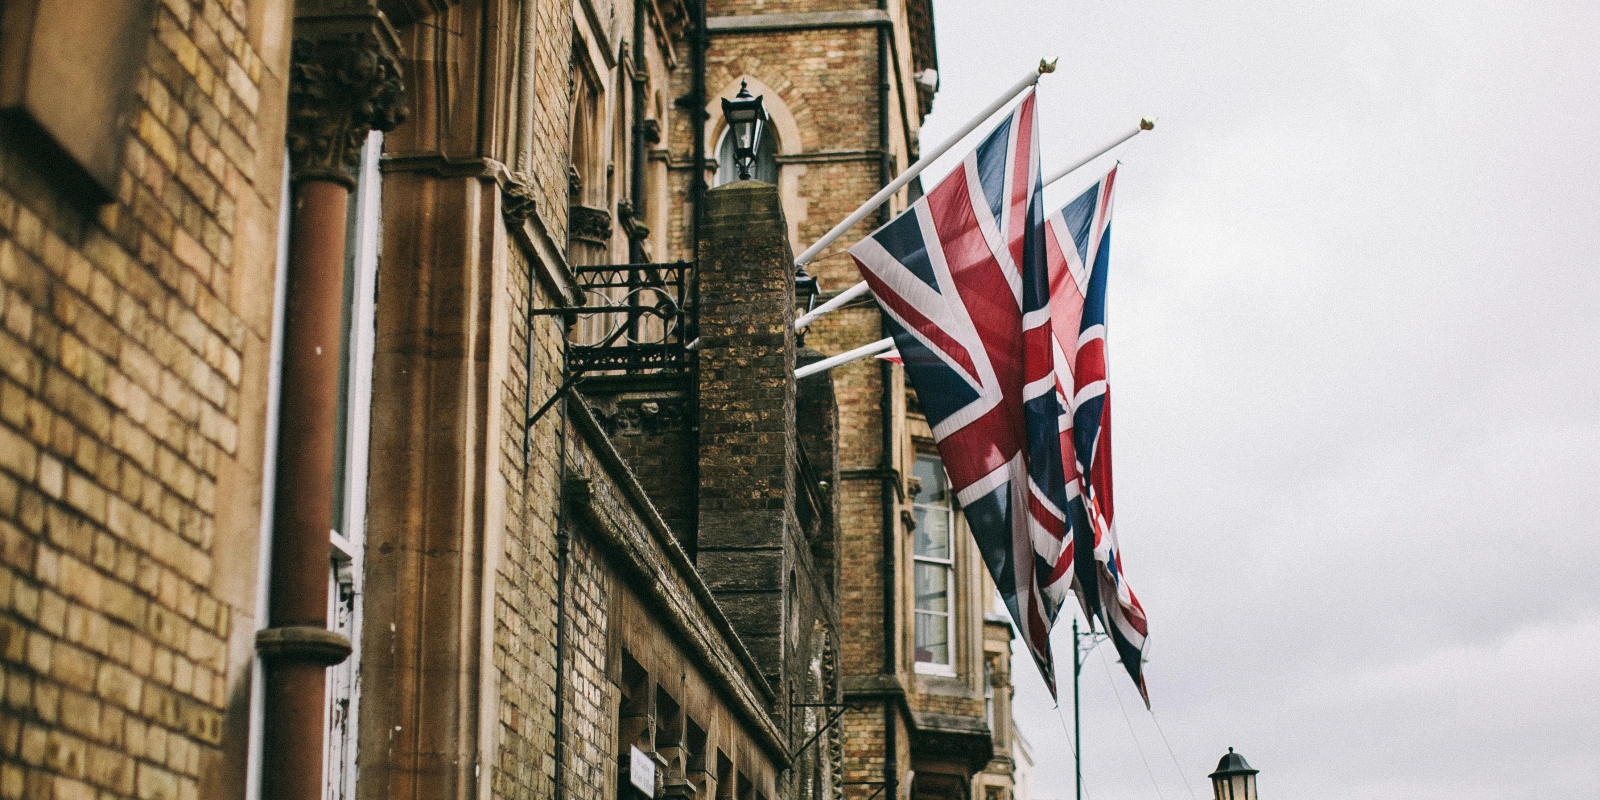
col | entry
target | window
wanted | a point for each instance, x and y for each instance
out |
(933, 566)
(765, 169)
(350, 471)
(988, 694)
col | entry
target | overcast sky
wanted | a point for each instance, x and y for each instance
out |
(1356, 356)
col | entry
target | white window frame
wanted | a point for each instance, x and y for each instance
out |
(345, 604)
(949, 565)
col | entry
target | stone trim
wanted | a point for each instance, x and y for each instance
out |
(829, 157)
(802, 21)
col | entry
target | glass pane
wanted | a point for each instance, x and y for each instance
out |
(933, 638)
(935, 489)
(765, 169)
(933, 533)
(932, 587)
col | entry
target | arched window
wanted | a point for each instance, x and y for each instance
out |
(765, 169)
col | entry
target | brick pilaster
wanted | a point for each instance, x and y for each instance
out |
(747, 405)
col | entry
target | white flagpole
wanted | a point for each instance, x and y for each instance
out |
(1144, 125)
(912, 171)
(863, 351)
(838, 300)
(861, 288)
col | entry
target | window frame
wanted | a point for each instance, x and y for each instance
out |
(949, 508)
(346, 568)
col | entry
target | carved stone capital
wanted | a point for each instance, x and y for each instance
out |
(344, 81)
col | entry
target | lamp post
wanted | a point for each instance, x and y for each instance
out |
(747, 120)
(1234, 778)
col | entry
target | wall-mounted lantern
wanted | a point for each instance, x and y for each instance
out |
(747, 119)
(1234, 778)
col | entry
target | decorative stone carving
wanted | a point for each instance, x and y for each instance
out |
(637, 416)
(650, 129)
(631, 224)
(517, 200)
(344, 81)
(591, 225)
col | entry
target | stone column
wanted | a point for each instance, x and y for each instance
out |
(747, 413)
(344, 82)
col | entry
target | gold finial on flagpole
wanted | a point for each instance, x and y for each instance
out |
(1147, 124)
(1047, 65)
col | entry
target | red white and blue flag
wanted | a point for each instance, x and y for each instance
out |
(962, 280)
(1078, 252)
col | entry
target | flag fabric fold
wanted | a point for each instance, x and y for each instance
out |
(962, 280)
(1078, 253)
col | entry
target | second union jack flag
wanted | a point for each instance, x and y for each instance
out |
(1078, 252)
(962, 279)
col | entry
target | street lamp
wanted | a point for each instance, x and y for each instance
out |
(1234, 779)
(747, 119)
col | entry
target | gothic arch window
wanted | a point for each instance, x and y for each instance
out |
(776, 162)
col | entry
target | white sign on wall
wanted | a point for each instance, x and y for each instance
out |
(642, 771)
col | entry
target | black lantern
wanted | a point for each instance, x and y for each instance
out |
(1234, 779)
(747, 119)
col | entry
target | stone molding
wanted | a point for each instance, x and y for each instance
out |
(344, 81)
(800, 21)
(303, 643)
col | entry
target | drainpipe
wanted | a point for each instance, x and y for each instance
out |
(563, 555)
(344, 82)
(636, 168)
(697, 192)
(891, 762)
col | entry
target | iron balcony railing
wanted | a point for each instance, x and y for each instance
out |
(636, 319)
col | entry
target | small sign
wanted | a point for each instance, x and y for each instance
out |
(642, 771)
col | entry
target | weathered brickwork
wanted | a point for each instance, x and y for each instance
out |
(132, 363)
(524, 635)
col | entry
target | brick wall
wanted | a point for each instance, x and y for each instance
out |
(133, 345)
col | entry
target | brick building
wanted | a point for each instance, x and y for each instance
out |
(300, 495)
(926, 659)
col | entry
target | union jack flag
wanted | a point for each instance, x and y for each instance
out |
(1078, 252)
(962, 280)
